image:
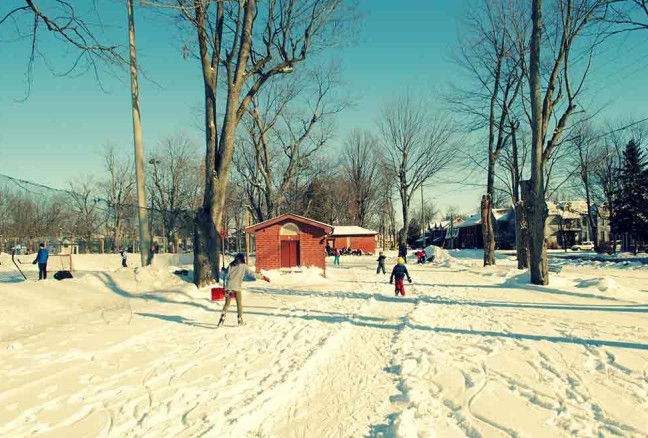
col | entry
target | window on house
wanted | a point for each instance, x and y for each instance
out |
(289, 229)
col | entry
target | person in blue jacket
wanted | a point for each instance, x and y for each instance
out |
(41, 259)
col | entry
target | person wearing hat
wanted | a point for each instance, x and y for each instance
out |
(399, 273)
(233, 278)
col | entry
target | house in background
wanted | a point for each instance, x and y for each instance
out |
(471, 235)
(568, 224)
(444, 234)
(350, 236)
(289, 241)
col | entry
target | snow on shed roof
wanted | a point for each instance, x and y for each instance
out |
(352, 230)
(254, 228)
(499, 213)
(475, 219)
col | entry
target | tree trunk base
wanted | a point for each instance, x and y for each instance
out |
(206, 250)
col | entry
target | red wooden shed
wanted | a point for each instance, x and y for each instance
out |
(353, 237)
(289, 240)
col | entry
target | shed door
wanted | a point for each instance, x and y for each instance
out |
(289, 253)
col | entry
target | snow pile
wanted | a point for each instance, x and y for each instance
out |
(471, 351)
(441, 256)
(603, 284)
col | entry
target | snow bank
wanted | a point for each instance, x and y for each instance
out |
(603, 284)
(32, 306)
(94, 262)
(441, 256)
(296, 276)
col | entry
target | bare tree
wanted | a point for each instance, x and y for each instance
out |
(63, 21)
(85, 206)
(118, 191)
(417, 148)
(251, 42)
(286, 125)
(628, 15)
(385, 208)
(585, 143)
(514, 161)
(360, 167)
(490, 57)
(570, 20)
(174, 185)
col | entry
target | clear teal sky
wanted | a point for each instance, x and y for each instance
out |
(58, 132)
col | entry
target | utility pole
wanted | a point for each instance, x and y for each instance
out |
(423, 217)
(144, 233)
(451, 231)
(247, 238)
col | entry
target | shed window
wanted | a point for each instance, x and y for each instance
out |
(289, 229)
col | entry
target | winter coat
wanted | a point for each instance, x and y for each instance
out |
(235, 274)
(42, 255)
(381, 259)
(399, 272)
(123, 253)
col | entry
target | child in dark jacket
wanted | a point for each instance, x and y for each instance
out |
(41, 259)
(399, 273)
(381, 263)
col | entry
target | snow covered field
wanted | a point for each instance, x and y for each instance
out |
(468, 352)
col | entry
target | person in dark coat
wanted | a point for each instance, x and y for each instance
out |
(41, 259)
(124, 255)
(381, 263)
(402, 252)
(399, 273)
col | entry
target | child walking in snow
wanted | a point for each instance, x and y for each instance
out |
(336, 257)
(233, 279)
(399, 273)
(381, 263)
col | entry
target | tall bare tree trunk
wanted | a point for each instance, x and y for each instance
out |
(144, 233)
(535, 202)
(206, 239)
(521, 221)
(405, 209)
(592, 216)
(488, 230)
(521, 236)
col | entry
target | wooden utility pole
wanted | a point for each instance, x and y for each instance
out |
(423, 218)
(144, 234)
(247, 238)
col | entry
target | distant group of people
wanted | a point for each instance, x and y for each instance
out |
(337, 252)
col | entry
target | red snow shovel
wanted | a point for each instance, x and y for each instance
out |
(218, 293)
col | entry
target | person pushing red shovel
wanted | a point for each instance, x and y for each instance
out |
(233, 277)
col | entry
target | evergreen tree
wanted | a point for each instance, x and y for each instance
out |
(631, 212)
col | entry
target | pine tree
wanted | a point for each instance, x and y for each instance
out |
(631, 213)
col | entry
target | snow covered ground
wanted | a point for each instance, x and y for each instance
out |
(468, 352)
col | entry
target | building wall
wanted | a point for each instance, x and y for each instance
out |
(365, 243)
(268, 246)
(312, 242)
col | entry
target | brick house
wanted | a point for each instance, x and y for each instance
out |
(353, 237)
(288, 241)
